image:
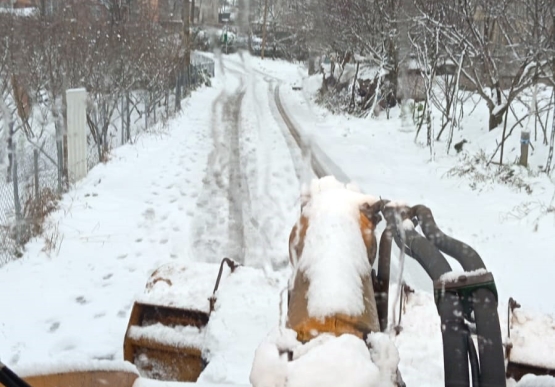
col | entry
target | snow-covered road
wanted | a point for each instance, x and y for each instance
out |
(251, 185)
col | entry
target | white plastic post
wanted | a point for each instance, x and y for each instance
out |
(76, 134)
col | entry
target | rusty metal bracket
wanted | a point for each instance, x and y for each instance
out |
(232, 266)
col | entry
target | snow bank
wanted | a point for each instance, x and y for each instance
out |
(334, 258)
(182, 286)
(57, 367)
(178, 336)
(324, 361)
(341, 361)
(385, 355)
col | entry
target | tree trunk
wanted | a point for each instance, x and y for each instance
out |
(264, 29)
(352, 104)
(496, 117)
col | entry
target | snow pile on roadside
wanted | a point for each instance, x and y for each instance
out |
(324, 361)
(335, 282)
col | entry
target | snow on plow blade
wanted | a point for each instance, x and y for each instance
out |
(84, 379)
(94, 374)
(530, 343)
(165, 333)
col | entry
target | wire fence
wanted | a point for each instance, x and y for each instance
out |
(33, 181)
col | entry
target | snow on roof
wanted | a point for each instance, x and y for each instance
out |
(57, 367)
(182, 286)
(334, 257)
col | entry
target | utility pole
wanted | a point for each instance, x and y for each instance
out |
(264, 29)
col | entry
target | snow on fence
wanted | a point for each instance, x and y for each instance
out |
(34, 179)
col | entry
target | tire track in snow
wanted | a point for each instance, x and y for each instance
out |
(236, 189)
(270, 176)
(250, 192)
(218, 231)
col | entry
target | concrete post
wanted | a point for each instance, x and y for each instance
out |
(524, 145)
(76, 134)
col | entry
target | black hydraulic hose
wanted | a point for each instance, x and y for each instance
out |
(450, 309)
(384, 266)
(417, 247)
(490, 344)
(429, 257)
(455, 343)
(9, 379)
(474, 364)
(463, 253)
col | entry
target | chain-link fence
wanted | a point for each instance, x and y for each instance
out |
(33, 182)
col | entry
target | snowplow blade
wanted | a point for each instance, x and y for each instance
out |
(530, 340)
(84, 379)
(147, 347)
(518, 370)
(165, 333)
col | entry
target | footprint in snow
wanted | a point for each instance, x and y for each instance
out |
(173, 200)
(107, 276)
(122, 313)
(122, 256)
(81, 300)
(138, 240)
(54, 327)
(163, 241)
(149, 213)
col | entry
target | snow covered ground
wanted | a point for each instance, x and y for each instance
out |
(223, 180)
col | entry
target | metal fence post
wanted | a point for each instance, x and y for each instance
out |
(17, 202)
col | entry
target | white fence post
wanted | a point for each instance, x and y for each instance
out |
(76, 134)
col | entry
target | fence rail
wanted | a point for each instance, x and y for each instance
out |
(33, 178)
